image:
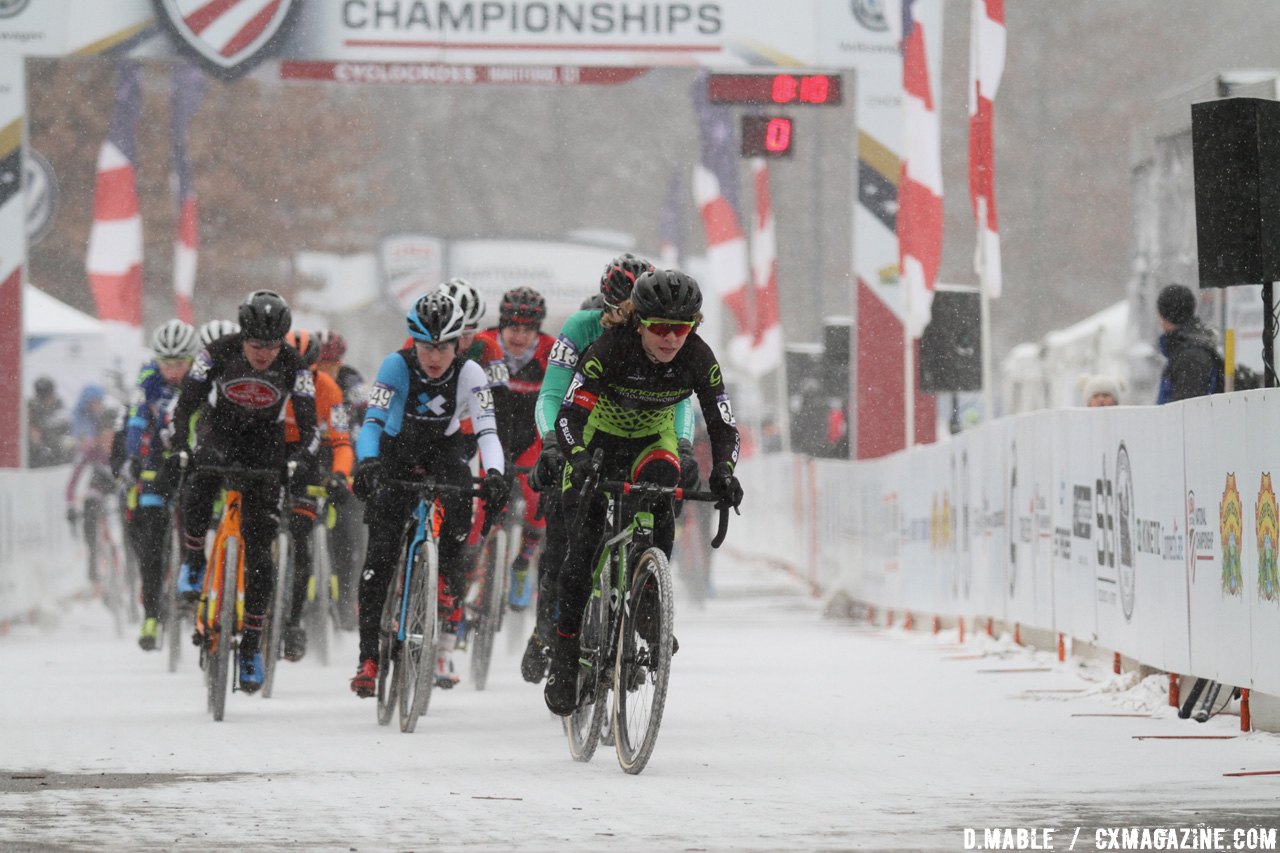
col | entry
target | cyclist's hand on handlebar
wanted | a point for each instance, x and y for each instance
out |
(579, 467)
(368, 476)
(494, 491)
(546, 471)
(689, 473)
(725, 486)
(336, 487)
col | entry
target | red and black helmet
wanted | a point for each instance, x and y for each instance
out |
(333, 346)
(522, 306)
(620, 276)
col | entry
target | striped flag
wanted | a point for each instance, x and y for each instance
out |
(715, 190)
(766, 327)
(114, 262)
(186, 90)
(986, 65)
(919, 221)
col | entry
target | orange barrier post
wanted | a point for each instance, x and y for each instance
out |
(1062, 648)
(910, 622)
(990, 627)
(1246, 723)
(1116, 666)
(961, 629)
(937, 625)
(1173, 690)
(1017, 633)
(888, 619)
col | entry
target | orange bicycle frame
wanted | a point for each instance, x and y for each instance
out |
(214, 582)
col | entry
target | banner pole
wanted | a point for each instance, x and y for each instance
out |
(984, 334)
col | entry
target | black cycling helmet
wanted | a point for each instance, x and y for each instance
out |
(435, 317)
(669, 294)
(620, 276)
(523, 305)
(44, 386)
(265, 316)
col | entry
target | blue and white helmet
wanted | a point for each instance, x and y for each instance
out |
(472, 302)
(436, 317)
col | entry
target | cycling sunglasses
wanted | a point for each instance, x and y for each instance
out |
(662, 328)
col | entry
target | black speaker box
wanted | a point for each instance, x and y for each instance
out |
(951, 345)
(1236, 153)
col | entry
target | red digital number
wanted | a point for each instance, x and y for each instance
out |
(777, 135)
(784, 89)
(815, 90)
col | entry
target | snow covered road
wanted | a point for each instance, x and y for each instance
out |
(783, 731)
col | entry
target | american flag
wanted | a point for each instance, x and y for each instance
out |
(986, 65)
(186, 90)
(715, 190)
(919, 220)
(114, 262)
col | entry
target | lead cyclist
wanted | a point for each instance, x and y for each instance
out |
(622, 401)
(579, 332)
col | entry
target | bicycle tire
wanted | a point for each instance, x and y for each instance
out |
(219, 672)
(421, 633)
(584, 727)
(172, 611)
(278, 615)
(642, 668)
(488, 611)
(316, 615)
(388, 650)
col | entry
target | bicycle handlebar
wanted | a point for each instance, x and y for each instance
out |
(429, 486)
(625, 487)
(239, 472)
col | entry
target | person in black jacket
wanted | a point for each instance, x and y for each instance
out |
(1193, 367)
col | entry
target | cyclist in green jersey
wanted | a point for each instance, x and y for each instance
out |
(578, 333)
(622, 401)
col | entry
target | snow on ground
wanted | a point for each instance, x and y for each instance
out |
(784, 730)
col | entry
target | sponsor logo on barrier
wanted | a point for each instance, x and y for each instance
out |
(1082, 512)
(870, 14)
(1199, 535)
(1230, 528)
(1126, 522)
(1265, 514)
(228, 38)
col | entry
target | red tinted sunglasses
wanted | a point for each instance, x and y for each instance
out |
(662, 328)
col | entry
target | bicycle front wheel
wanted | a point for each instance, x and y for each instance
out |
(583, 727)
(488, 609)
(421, 632)
(318, 606)
(222, 638)
(642, 666)
(173, 610)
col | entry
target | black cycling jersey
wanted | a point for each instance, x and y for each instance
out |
(619, 390)
(244, 404)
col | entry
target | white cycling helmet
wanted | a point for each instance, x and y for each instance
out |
(174, 339)
(215, 329)
(468, 297)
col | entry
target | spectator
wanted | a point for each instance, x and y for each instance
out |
(84, 417)
(1193, 367)
(1102, 389)
(48, 430)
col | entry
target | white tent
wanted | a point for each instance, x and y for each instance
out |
(65, 345)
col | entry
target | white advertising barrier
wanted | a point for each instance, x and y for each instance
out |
(40, 560)
(1150, 531)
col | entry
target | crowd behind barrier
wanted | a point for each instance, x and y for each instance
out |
(1148, 531)
(41, 559)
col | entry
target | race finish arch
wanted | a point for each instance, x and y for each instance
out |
(408, 40)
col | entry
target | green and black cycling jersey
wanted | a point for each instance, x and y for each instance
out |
(618, 390)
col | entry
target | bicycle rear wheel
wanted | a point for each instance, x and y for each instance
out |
(488, 609)
(421, 632)
(223, 635)
(642, 666)
(279, 615)
(172, 610)
(389, 649)
(583, 727)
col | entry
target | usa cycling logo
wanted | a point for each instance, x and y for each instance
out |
(228, 37)
(870, 13)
